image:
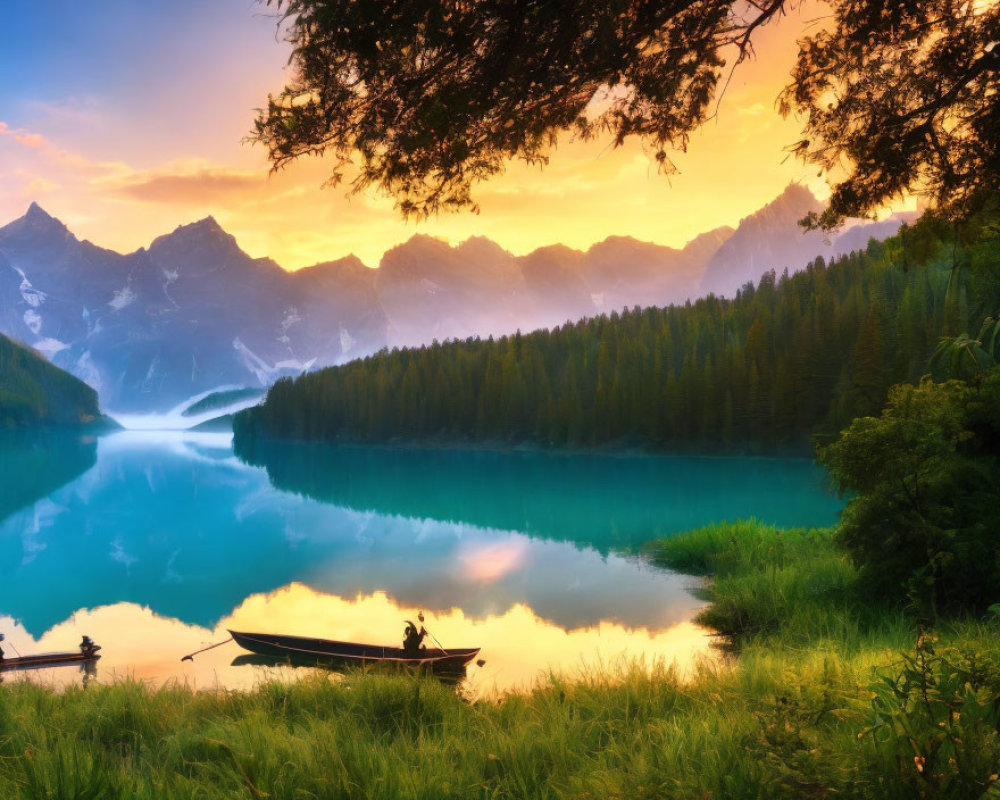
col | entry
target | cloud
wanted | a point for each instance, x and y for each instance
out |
(40, 146)
(73, 111)
(754, 110)
(41, 186)
(21, 136)
(33, 140)
(207, 185)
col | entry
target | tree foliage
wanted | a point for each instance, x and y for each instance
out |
(967, 358)
(924, 520)
(902, 96)
(33, 391)
(429, 97)
(433, 96)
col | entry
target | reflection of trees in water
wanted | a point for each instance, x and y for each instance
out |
(33, 465)
(607, 502)
(191, 537)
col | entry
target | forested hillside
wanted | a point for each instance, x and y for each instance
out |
(33, 391)
(785, 359)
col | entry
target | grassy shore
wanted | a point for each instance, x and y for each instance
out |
(827, 698)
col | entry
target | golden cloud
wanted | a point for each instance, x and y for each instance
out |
(201, 186)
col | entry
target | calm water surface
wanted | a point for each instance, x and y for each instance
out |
(155, 543)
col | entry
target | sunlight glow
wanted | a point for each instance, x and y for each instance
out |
(519, 648)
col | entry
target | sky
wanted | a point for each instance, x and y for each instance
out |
(126, 119)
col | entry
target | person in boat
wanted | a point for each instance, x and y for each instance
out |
(413, 639)
(88, 647)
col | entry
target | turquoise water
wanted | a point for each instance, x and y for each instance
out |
(158, 541)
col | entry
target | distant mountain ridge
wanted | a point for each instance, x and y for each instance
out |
(193, 311)
(771, 238)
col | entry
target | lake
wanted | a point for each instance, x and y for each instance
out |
(154, 544)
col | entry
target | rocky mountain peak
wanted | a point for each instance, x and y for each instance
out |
(37, 222)
(206, 227)
(770, 238)
(35, 211)
(795, 201)
(202, 243)
(482, 246)
(349, 269)
(703, 246)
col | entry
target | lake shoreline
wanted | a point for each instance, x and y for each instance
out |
(793, 717)
(612, 450)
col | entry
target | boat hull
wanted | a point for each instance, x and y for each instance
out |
(304, 650)
(45, 660)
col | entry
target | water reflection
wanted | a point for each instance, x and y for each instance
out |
(518, 645)
(79, 674)
(180, 525)
(154, 544)
(606, 502)
(32, 465)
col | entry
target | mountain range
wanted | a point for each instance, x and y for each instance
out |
(193, 311)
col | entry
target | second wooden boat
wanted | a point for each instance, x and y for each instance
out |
(43, 660)
(87, 654)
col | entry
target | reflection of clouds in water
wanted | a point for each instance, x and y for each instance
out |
(190, 536)
(256, 499)
(518, 645)
(362, 534)
(487, 562)
(118, 554)
(293, 535)
(196, 548)
(213, 449)
(32, 523)
(486, 571)
(430, 531)
(170, 575)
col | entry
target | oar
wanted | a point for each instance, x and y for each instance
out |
(4, 639)
(190, 656)
(420, 616)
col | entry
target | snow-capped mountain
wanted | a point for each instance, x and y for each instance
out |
(194, 312)
(156, 326)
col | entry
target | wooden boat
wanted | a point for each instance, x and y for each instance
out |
(45, 660)
(322, 652)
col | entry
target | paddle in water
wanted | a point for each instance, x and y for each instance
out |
(190, 656)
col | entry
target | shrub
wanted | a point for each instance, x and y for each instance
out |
(923, 524)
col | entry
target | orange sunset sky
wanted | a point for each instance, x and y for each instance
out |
(125, 123)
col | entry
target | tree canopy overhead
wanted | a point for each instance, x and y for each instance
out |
(428, 97)
(902, 96)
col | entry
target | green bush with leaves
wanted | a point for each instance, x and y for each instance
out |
(935, 714)
(923, 524)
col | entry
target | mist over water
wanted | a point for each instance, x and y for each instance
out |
(157, 541)
(180, 417)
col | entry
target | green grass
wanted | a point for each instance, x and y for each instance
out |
(792, 587)
(824, 701)
(858, 696)
(368, 737)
